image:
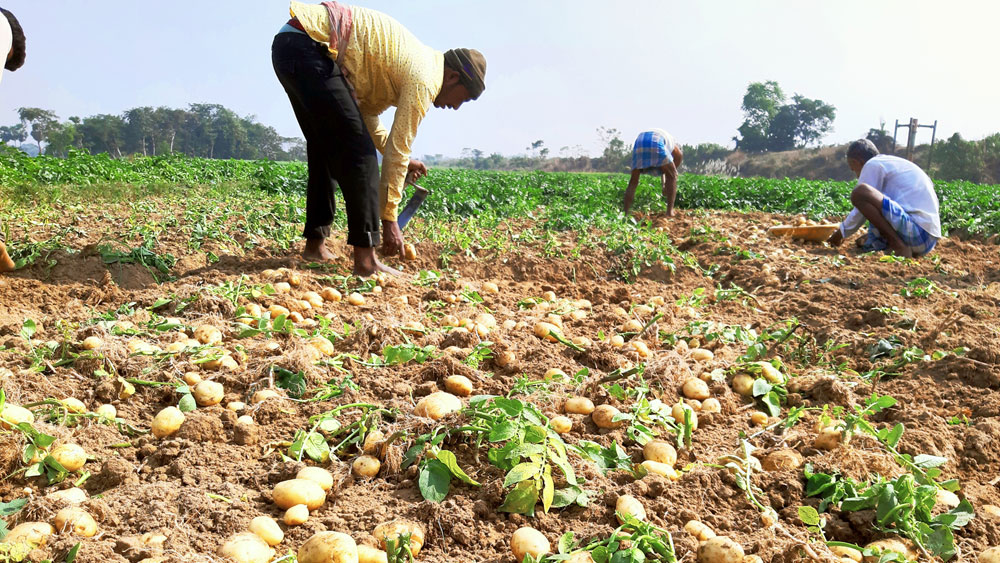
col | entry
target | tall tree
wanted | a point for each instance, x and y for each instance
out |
(103, 133)
(15, 133)
(140, 126)
(771, 124)
(41, 122)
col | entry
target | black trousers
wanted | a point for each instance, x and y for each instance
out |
(338, 147)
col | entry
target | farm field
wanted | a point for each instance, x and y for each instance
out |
(783, 394)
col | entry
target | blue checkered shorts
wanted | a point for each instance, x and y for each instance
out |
(650, 152)
(912, 234)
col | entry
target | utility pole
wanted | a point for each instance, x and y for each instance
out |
(911, 138)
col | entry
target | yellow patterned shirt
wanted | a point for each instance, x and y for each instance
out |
(388, 66)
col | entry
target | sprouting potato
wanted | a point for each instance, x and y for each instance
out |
(267, 529)
(246, 547)
(989, 511)
(391, 530)
(578, 315)
(660, 451)
(356, 299)
(366, 466)
(368, 554)
(287, 494)
(92, 343)
(695, 388)
(529, 541)
(317, 475)
(561, 424)
(699, 530)
(12, 415)
(580, 557)
(720, 549)
(296, 515)
(330, 294)
(208, 334)
(70, 456)
(702, 355)
(643, 310)
(76, 521)
(438, 405)
(603, 416)
(208, 393)
(630, 506)
(458, 385)
(743, 384)
(578, 405)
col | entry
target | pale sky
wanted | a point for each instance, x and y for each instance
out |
(558, 69)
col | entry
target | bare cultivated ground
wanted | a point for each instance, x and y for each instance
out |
(206, 482)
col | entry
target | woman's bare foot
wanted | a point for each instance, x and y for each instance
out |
(316, 251)
(366, 264)
(6, 264)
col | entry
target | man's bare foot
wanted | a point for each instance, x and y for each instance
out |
(6, 264)
(366, 264)
(316, 251)
(902, 250)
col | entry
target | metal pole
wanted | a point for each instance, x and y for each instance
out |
(930, 153)
(894, 131)
(911, 139)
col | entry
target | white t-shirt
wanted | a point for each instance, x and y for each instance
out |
(903, 182)
(6, 39)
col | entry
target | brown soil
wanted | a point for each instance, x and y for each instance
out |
(154, 485)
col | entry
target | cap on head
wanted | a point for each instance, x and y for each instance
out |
(862, 150)
(471, 67)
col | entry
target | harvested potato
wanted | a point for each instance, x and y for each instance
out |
(208, 334)
(331, 294)
(74, 405)
(70, 456)
(438, 405)
(75, 520)
(561, 424)
(743, 384)
(899, 545)
(660, 451)
(458, 385)
(617, 340)
(31, 534)
(758, 418)
(989, 511)
(580, 557)
(321, 345)
(680, 410)
(699, 530)
(661, 469)
(74, 495)
(990, 555)
(246, 547)
(296, 515)
(317, 475)
(504, 359)
(366, 466)
(631, 325)
(702, 355)
(628, 505)
(368, 554)
(314, 299)
(711, 404)
(356, 299)
(640, 348)
(946, 499)
(372, 441)
(107, 411)
(782, 460)
(845, 552)
(548, 331)
(770, 372)
(267, 529)
(529, 541)
(604, 417)
(829, 439)
(287, 494)
(92, 343)
(720, 549)
(695, 388)
(208, 393)
(167, 422)
(391, 530)
(409, 251)
(12, 415)
(278, 311)
(578, 405)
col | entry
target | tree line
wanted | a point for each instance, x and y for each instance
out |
(201, 130)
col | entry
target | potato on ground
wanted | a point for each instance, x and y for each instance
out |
(289, 493)
(246, 547)
(578, 405)
(70, 456)
(529, 541)
(391, 530)
(318, 475)
(990, 555)
(167, 422)
(438, 405)
(369, 554)
(628, 505)
(660, 451)
(604, 417)
(720, 549)
(267, 529)
(74, 520)
(458, 385)
(31, 534)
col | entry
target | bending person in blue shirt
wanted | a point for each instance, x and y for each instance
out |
(898, 200)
